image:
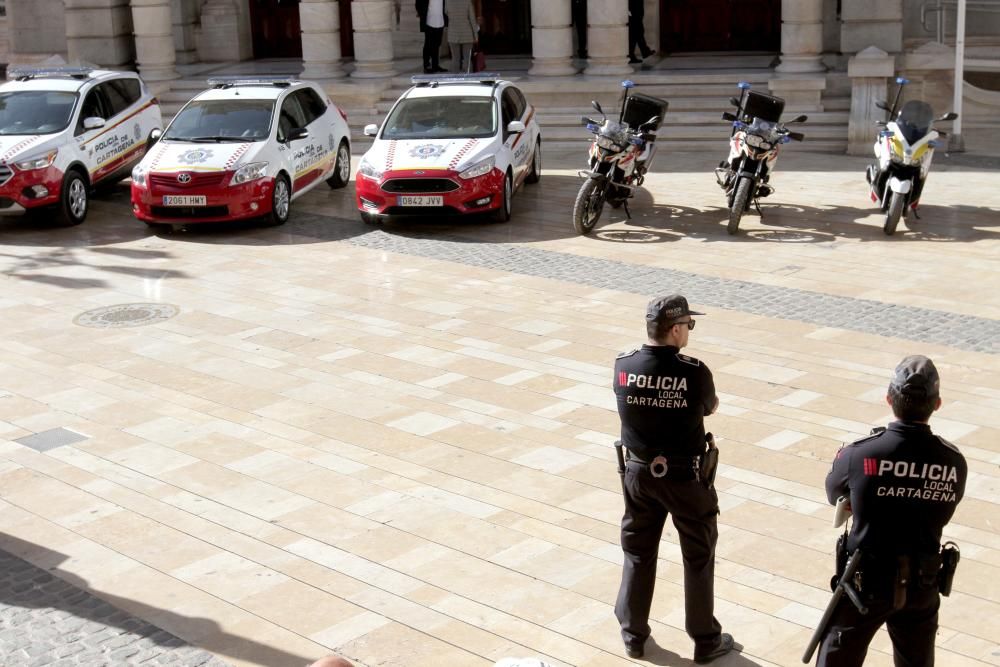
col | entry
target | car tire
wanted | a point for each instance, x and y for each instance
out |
(502, 214)
(341, 168)
(281, 201)
(74, 199)
(536, 165)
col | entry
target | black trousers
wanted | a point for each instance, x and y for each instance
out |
(694, 509)
(579, 17)
(911, 629)
(432, 47)
(636, 35)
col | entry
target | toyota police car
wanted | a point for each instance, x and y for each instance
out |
(63, 130)
(450, 144)
(245, 148)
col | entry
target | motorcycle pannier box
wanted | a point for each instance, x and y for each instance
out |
(765, 107)
(639, 108)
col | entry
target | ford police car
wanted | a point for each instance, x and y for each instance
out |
(450, 145)
(246, 148)
(63, 130)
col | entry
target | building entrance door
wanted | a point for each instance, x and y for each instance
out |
(720, 25)
(506, 26)
(275, 28)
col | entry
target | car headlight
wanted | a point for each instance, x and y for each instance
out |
(479, 169)
(366, 168)
(139, 176)
(249, 172)
(40, 162)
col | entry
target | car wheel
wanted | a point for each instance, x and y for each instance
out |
(342, 169)
(281, 201)
(536, 165)
(74, 200)
(502, 214)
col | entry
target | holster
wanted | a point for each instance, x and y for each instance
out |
(840, 560)
(709, 462)
(950, 556)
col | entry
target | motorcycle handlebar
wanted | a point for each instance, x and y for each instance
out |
(796, 136)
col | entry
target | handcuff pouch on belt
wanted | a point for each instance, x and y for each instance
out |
(659, 466)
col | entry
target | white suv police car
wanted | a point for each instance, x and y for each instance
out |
(244, 149)
(64, 130)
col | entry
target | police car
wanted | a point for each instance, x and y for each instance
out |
(64, 130)
(245, 148)
(450, 145)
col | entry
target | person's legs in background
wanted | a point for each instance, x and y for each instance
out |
(432, 49)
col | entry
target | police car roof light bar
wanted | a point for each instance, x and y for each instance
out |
(281, 81)
(437, 79)
(26, 73)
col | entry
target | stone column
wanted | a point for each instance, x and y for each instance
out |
(36, 30)
(868, 70)
(320, 21)
(801, 36)
(373, 22)
(224, 32)
(99, 32)
(607, 38)
(551, 38)
(185, 18)
(864, 23)
(154, 39)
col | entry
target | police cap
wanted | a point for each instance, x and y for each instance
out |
(668, 308)
(916, 376)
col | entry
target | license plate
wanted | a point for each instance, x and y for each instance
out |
(419, 200)
(184, 200)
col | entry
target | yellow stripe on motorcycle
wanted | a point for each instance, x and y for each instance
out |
(920, 151)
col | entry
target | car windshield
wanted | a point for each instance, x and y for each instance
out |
(35, 111)
(442, 118)
(915, 120)
(222, 120)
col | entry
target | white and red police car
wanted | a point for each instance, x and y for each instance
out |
(64, 130)
(246, 148)
(455, 144)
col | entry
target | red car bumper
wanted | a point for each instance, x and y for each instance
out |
(223, 202)
(458, 196)
(25, 190)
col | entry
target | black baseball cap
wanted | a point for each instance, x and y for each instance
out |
(668, 308)
(916, 376)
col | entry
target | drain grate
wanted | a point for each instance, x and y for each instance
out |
(126, 315)
(54, 437)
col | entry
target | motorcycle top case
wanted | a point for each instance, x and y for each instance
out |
(639, 108)
(765, 107)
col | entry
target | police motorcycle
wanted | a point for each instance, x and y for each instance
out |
(619, 157)
(903, 153)
(756, 135)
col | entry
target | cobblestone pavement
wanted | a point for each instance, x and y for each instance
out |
(45, 620)
(863, 315)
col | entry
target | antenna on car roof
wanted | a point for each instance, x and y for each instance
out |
(49, 72)
(280, 81)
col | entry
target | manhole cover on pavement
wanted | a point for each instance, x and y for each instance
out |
(126, 315)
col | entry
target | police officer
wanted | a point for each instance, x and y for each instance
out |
(663, 397)
(903, 485)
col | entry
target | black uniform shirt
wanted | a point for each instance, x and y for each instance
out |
(904, 485)
(663, 397)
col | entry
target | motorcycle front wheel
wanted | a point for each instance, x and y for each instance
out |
(589, 205)
(893, 214)
(740, 201)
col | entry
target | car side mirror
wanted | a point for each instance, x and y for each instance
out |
(93, 123)
(735, 101)
(515, 127)
(298, 133)
(799, 119)
(951, 115)
(882, 105)
(597, 105)
(155, 136)
(371, 130)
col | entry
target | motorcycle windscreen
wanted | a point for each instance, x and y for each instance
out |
(915, 120)
(765, 107)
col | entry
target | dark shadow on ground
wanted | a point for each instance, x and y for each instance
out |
(657, 655)
(44, 591)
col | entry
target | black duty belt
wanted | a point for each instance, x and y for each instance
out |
(678, 467)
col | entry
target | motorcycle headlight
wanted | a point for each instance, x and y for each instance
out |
(139, 176)
(39, 162)
(479, 169)
(249, 172)
(756, 141)
(366, 168)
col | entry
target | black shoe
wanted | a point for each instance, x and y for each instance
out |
(724, 646)
(634, 650)
(438, 70)
(632, 60)
(582, 55)
(647, 53)
(428, 70)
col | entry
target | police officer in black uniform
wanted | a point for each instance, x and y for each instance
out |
(903, 485)
(663, 397)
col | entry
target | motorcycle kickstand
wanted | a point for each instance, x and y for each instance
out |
(915, 214)
(628, 214)
(756, 205)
